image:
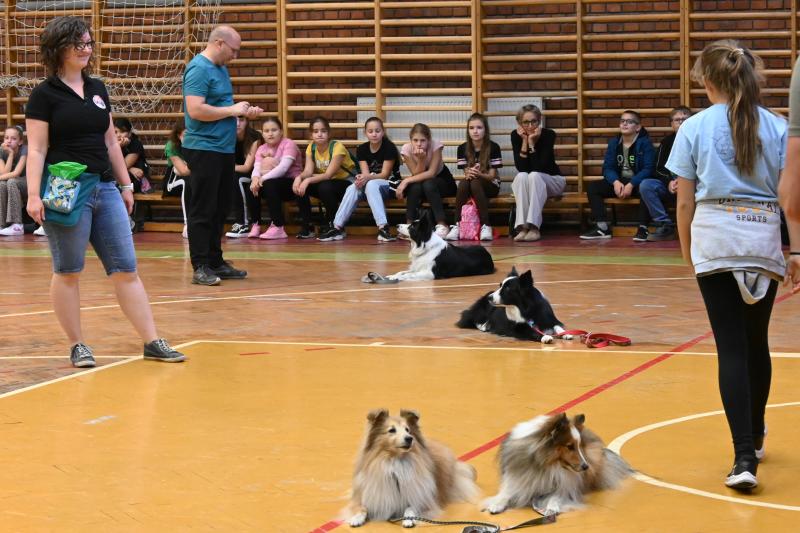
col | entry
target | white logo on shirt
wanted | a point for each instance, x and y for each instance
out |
(98, 101)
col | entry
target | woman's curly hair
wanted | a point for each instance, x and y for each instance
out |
(60, 34)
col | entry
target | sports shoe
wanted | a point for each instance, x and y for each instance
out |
(40, 232)
(226, 271)
(14, 230)
(204, 275)
(759, 445)
(597, 233)
(486, 233)
(306, 233)
(452, 234)
(743, 474)
(274, 232)
(185, 232)
(384, 235)
(520, 236)
(238, 231)
(81, 356)
(160, 350)
(533, 234)
(442, 231)
(402, 231)
(255, 231)
(641, 234)
(665, 232)
(332, 234)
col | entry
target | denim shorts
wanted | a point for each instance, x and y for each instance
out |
(104, 222)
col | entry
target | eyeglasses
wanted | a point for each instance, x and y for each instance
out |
(530, 122)
(628, 121)
(679, 119)
(80, 46)
(233, 49)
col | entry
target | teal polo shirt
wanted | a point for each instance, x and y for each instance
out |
(203, 78)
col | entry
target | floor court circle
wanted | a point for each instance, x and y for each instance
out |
(617, 444)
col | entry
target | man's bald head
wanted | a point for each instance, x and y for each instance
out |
(223, 45)
(223, 32)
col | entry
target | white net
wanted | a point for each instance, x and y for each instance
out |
(142, 46)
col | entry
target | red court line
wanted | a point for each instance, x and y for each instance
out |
(320, 348)
(572, 403)
(255, 353)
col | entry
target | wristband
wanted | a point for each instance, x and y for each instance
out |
(128, 187)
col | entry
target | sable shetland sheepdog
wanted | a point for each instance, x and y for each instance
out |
(434, 258)
(399, 473)
(517, 309)
(550, 462)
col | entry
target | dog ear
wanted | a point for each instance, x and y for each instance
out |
(411, 417)
(513, 272)
(377, 416)
(578, 421)
(526, 278)
(560, 423)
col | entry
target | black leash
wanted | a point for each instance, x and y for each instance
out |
(479, 527)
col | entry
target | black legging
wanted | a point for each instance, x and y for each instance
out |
(279, 190)
(433, 190)
(329, 192)
(479, 189)
(745, 369)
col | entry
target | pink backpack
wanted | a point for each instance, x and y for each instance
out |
(469, 229)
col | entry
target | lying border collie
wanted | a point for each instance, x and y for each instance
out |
(434, 258)
(517, 309)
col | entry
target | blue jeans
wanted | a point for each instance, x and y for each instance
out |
(374, 192)
(654, 193)
(104, 222)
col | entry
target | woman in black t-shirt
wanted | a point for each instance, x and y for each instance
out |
(480, 158)
(68, 118)
(538, 175)
(379, 163)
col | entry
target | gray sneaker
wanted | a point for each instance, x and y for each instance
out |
(205, 275)
(81, 356)
(160, 350)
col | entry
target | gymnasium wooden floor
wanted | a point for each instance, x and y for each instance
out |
(259, 429)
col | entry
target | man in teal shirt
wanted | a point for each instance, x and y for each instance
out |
(208, 148)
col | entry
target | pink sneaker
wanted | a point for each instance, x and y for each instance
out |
(274, 232)
(255, 231)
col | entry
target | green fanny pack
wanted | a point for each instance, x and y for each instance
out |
(65, 189)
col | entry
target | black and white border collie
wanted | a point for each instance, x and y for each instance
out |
(434, 258)
(517, 309)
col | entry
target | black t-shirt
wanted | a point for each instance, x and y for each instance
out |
(135, 146)
(541, 158)
(77, 126)
(495, 157)
(387, 151)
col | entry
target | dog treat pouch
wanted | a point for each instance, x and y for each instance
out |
(62, 188)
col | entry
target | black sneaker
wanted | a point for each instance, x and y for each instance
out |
(332, 234)
(226, 271)
(159, 350)
(663, 233)
(384, 235)
(641, 234)
(81, 356)
(743, 475)
(597, 233)
(306, 233)
(238, 231)
(205, 275)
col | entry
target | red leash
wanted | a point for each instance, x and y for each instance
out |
(593, 340)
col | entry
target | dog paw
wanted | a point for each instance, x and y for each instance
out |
(358, 520)
(494, 506)
(568, 337)
(483, 327)
(408, 523)
(546, 339)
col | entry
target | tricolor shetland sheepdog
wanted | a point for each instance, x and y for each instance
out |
(399, 473)
(550, 462)
(434, 258)
(516, 309)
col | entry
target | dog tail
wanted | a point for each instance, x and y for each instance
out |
(466, 322)
(615, 469)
